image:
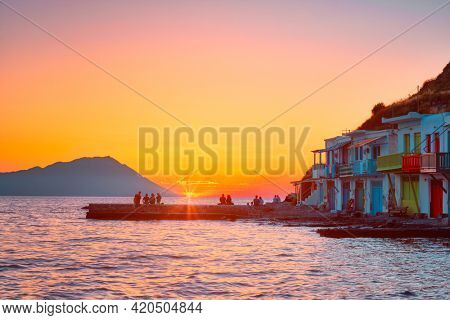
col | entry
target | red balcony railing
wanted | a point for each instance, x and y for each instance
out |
(411, 163)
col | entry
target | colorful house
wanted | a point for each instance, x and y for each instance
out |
(382, 170)
(419, 169)
(349, 172)
(359, 178)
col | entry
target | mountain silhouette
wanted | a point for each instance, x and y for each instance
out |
(98, 176)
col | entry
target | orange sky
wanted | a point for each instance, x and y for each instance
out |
(234, 64)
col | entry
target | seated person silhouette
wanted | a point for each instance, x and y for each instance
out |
(145, 200)
(222, 200)
(152, 199)
(158, 198)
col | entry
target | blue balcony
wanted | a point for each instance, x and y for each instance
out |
(365, 167)
(318, 171)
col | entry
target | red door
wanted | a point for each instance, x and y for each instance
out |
(436, 198)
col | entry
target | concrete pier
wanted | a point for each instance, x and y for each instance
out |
(170, 212)
(404, 232)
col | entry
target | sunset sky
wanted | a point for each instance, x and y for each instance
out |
(209, 63)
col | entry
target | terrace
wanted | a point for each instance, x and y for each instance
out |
(443, 161)
(411, 163)
(365, 167)
(434, 162)
(415, 163)
(390, 162)
(318, 170)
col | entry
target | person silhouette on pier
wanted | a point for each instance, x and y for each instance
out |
(145, 200)
(137, 199)
(222, 200)
(229, 201)
(152, 199)
(276, 199)
(255, 201)
(158, 198)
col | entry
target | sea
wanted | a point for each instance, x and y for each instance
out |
(48, 250)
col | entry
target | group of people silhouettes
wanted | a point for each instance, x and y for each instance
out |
(156, 199)
(146, 200)
(257, 201)
(276, 199)
(225, 201)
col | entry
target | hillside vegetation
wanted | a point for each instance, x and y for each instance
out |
(433, 97)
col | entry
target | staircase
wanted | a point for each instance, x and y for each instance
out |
(313, 199)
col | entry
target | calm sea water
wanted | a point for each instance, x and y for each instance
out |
(49, 251)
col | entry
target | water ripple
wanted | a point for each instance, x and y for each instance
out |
(49, 251)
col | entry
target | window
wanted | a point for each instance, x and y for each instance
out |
(406, 143)
(448, 141)
(417, 142)
(376, 151)
(437, 143)
(428, 143)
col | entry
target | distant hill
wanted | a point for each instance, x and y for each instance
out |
(433, 97)
(98, 176)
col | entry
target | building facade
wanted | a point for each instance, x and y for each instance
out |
(420, 167)
(384, 170)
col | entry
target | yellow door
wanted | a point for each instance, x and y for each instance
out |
(409, 187)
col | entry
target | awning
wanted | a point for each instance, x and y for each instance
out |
(338, 145)
(364, 142)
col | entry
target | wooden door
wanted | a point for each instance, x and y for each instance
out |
(436, 198)
(359, 197)
(376, 197)
(409, 187)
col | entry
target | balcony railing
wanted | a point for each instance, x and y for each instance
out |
(443, 161)
(330, 171)
(365, 167)
(390, 162)
(345, 170)
(318, 171)
(411, 163)
(428, 162)
(434, 162)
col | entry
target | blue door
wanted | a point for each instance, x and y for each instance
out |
(376, 197)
